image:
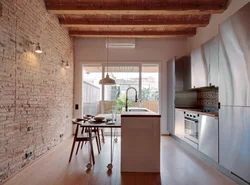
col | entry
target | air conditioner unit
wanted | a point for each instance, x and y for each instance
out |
(120, 43)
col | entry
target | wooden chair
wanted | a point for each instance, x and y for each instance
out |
(95, 131)
(81, 137)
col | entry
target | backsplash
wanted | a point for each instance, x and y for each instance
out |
(204, 98)
(186, 99)
(207, 98)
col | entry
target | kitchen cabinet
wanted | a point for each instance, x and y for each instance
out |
(213, 69)
(204, 64)
(170, 95)
(179, 124)
(178, 76)
(140, 142)
(234, 60)
(209, 136)
(183, 73)
(234, 93)
(234, 140)
(199, 72)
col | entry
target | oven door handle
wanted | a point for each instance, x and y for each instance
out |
(191, 120)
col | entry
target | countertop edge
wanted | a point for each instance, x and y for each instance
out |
(140, 115)
(202, 113)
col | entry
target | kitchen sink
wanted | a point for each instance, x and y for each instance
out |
(138, 110)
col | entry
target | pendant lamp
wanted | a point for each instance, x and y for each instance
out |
(107, 80)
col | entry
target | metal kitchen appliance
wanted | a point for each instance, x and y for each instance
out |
(191, 126)
(234, 94)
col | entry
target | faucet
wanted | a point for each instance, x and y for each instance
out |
(126, 105)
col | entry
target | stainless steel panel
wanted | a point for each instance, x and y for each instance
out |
(211, 60)
(187, 72)
(234, 140)
(178, 75)
(179, 124)
(213, 69)
(209, 136)
(199, 72)
(234, 59)
(170, 95)
(183, 73)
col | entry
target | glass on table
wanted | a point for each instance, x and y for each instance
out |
(114, 114)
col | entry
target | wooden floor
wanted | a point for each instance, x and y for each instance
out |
(178, 167)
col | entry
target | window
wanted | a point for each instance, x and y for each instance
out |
(143, 77)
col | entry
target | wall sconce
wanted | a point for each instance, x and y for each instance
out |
(65, 64)
(37, 48)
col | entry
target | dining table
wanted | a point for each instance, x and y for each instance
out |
(106, 123)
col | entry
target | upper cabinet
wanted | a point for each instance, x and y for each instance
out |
(199, 71)
(204, 64)
(234, 59)
(213, 72)
(183, 73)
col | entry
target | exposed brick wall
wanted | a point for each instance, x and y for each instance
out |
(36, 92)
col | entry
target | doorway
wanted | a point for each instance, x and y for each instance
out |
(98, 99)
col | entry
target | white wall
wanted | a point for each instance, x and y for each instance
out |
(206, 33)
(92, 50)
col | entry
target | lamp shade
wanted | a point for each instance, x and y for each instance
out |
(107, 81)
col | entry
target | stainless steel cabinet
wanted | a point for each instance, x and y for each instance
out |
(199, 72)
(209, 136)
(234, 140)
(179, 123)
(183, 73)
(213, 66)
(178, 75)
(234, 59)
(204, 64)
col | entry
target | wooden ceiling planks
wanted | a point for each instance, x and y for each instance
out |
(134, 18)
(133, 34)
(136, 9)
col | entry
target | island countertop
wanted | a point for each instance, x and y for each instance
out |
(142, 112)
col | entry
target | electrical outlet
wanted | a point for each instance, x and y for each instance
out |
(28, 155)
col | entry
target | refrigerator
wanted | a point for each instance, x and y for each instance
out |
(234, 94)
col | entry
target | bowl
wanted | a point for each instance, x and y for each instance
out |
(99, 118)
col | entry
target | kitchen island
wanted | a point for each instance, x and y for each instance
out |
(140, 141)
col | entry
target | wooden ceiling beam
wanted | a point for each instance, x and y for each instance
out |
(165, 9)
(133, 24)
(137, 34)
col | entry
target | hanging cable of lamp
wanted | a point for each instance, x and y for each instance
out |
(107, 80)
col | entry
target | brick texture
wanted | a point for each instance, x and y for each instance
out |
(36, 92)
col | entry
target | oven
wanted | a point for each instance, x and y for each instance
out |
(191, 126)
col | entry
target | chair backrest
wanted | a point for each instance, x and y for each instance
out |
(87, 117)
(75, 120)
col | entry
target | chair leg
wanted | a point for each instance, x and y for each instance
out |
(82, 144)
(103, 140)
(72, 149)
(97, 144)
(78, 147)
(92, 150)
(99, 139)
(82, 130)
